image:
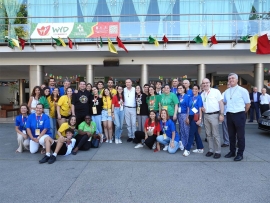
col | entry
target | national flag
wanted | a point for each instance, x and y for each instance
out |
(263, 46)
(111, 47)
(58, 42)
(62, 42)
(15, 43)
(120, 44)
(205, 40)
(10, 44)
(70, 43)
(22, 42)
(101, 42)
(213, 39)
(152, 40)
(165, 39)
(253, 43)
(245, 38)
(198, 39)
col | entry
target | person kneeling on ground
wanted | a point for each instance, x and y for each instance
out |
(87, 129)
(62, 146)
(170, 137)
(151, 131)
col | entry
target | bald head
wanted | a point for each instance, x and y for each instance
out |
(263, 91)
(186, 83)
(206, 84)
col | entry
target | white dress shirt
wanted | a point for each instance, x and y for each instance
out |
(129, 95)
(265, 99)
(211, 99)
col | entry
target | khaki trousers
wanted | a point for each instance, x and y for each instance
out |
(211, 123)
(22, 143)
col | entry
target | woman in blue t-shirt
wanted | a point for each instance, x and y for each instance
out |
(194, 120)
(38, 128)
(169, 137)
(20, 127)
(183, 113)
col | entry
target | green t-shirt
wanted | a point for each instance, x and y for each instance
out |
(169, 101)
(153, 102)
(43, 100)
(88, 128)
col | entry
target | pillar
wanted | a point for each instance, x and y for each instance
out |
(36, 76)
(144, 74)
(21, 91)
(90, 74)
(258, 76)
(240, 80)
(201, 73)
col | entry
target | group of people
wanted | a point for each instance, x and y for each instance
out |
(63, 120)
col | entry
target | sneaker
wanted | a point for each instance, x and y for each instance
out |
(44, 160)
(138, 146)
(154, 145)
(119, 141)
(52, 159)
(110, 141)
(186, 153)
(198, 151)
(181, 146)
(107, 141)
(101, 138)
(166, 148)
(116, 141)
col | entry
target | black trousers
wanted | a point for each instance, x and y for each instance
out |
(264, 108)
(82, 142)
(236, 128)
(254, 106)
(149, 142)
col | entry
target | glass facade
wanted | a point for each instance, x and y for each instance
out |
(177, 19)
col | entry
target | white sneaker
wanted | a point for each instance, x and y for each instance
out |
(181, 146)
(198, 151)
(119, 141)
(154, 145)
(116, 141)
(107, 141)
(110, 141)
(138, 146)
(186, 153)
(166, 148)
(101, 138)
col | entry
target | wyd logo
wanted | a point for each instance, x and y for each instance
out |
(60, 29)
(43, 31)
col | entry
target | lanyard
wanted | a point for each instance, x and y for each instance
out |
(139, 100)
(194, 101)
(206, 95)
(24, 122)
(95, 100)
(38, 120)
(163, 127)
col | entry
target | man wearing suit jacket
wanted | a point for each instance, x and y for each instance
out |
(255, 104)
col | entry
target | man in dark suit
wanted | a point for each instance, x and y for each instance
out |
(255, 104)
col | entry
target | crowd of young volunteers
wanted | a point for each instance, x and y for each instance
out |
(62, 121)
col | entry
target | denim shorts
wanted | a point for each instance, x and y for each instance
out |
(104, 116)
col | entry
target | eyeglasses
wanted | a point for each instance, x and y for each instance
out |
(205, 83)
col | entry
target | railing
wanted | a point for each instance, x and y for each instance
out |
(225, 27)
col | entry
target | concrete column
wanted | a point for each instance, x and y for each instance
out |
(258, 76)
(90, 74)
(201, 73)
(144, 74)
(240, 81)
(21, 91)
(36, 76)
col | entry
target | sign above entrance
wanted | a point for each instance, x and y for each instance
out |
(74, 30)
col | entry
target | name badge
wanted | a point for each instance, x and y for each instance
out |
(194, 110)
(179, 109)
(109, 112)
(165, 107)
(151, 109)
(24, 132)
(164, 136)
(94, 109)
(37, 132)
(138, 110)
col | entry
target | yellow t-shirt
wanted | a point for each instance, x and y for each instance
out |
(52, 107)
(65, 105)
(63, 129)
(107, 102)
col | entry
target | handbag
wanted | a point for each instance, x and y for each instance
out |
(196, 117)
(95, 143)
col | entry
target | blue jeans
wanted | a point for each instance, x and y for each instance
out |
(97, 120)
(53, 126)
(118, 121)
(167, 142)
(193, 132)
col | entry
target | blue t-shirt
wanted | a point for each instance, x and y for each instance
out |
(189, 93)
(38, 122)
(169, 127)
(183, 102)
(21, 122)
(174, 90)
(195, 102)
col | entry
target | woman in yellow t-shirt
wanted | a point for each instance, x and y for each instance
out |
(70, 124)
(52, 100)
(64, 107)
(106, 114)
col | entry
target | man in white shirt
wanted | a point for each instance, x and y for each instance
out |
(265, 101)
(238, 104)
(130, 109)
(213, 109)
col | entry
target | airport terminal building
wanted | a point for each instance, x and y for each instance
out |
(181, 43)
